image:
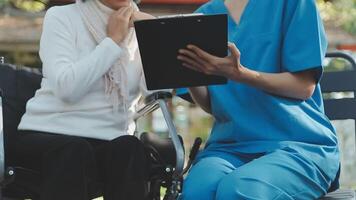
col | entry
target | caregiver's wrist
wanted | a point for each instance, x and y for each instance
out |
(243, 75)
(197, 90)
(253, 78)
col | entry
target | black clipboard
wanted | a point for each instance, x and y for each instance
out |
(160, 39)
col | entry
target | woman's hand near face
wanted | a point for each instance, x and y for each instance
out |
(118, 24)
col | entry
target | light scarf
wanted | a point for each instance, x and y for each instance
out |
(96, 16)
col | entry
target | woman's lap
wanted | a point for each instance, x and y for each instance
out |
(34, 145)
(62, 160)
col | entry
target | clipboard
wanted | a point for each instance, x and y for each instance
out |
(160, 39)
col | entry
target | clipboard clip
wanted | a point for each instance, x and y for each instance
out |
(180, 15)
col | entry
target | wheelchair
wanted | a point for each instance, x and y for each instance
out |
(166, 155)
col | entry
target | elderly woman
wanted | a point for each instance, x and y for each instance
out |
(77, 128)
(271, 138)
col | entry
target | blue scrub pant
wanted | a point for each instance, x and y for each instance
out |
(282, 174)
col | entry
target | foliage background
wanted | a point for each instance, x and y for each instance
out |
(339, 12)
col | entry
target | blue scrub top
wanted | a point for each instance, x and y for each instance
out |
(273, 36)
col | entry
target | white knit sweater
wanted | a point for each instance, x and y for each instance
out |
(72, 98)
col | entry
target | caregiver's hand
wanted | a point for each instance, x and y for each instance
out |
(197, 59)
(118, 24)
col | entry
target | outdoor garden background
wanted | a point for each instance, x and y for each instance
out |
(20, 29)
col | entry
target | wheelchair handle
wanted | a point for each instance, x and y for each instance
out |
(151, 103)
(195, 148)
(178, 172)
(193, 153)
(157, 95)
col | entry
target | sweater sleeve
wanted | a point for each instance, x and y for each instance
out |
(70, 77)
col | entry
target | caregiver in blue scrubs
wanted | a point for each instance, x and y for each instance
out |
(271, 138)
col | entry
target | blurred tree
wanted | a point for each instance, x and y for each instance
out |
(3, 2)
(25, 5)
(29, 5)
(341, 13)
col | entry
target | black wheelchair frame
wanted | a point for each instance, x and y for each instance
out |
(165, 154)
